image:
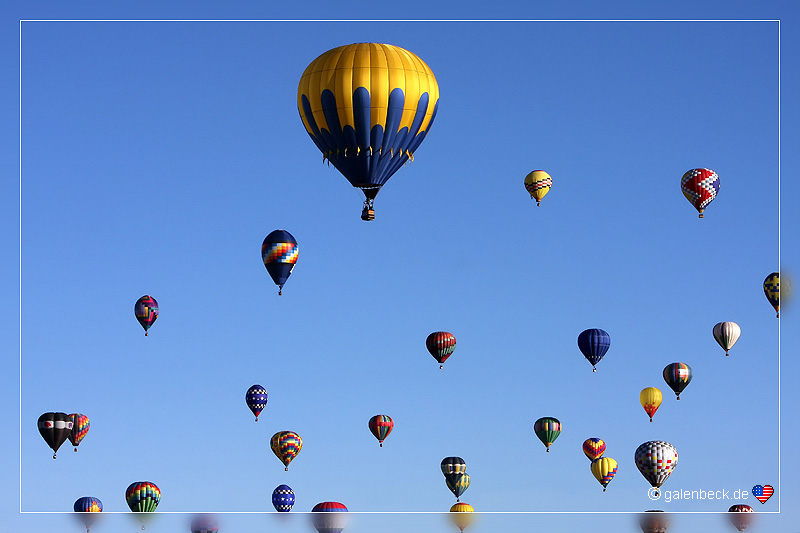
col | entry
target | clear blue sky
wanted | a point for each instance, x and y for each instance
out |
(157, 155)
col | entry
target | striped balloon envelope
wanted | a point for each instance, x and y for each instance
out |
(594, 344)
(80, 427)
(286, 445)
(143, 496)
(381, 426)
(547, 429)
(55, 428)
(256, 399)
(726, 334)
(146, 311)
(329, 517)
(538, 184)
(441, 345)
(283, 498)
(677, 376)
(604, 470)
(594, 448)
(700, 187)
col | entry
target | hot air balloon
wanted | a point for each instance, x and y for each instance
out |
(654, 521)
(142, 497)
(457, 483)
(538, 183)
(453, 465)
(367, 107)
(656, 459)
(87, 506)
(772, 290)
(55, 428)
(700, 186)
(329, 517)
(593, 344)
(604, 470)
(650, 398)
(461, 519)
(283, 498)
(204, 524)
(740, 516)
(146, 311)
(547, 429)
(441, 345)
(678, 376)
(286, 445)
(594, 448)
(726, 334)
(80, 427)
(279, 252)
(381, 426)
(256, 399)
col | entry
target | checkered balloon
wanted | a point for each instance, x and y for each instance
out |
(656, 459)
(700, 186)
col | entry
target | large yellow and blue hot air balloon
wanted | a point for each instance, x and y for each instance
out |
(368, 107)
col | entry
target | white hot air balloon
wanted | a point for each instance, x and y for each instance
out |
(726, 334)
(656, 459)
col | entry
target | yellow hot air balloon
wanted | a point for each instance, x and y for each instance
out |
(650, 398)
(368, 107)
(461, 519)
(604, 470)
(538, 183)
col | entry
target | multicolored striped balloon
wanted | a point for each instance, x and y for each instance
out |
(328, 517)
(256, 399)
(678, 376)
(279, 252)
(457, 483)
(604, 469)
(726, 334)
(146, 311)
(286, 445)
(651, 399)
(538, 184)
(656, 459)
(80, 427)
(142, 496)
(86, 505)
(283, 498)
(381, 426)
(594, 448)
(441, 345)
(547, 429)
(700, 186)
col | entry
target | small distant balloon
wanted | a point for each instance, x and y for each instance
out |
(678, 376)
(461, 518)
(453, 465)
(286, 445)
(604, 469)
(654, 521)
(146, 311)
(656, 460)
(740, 516)
(457, 483)
(772, 290)
(80, 427)
(650, 398)
(441, 345)
(726, 334)
(142, 497)
(381, 426)
(593, 344)
(55, 428)
(256, 399)
(538, 184)
(86, 506)
(700, 186)
(204, 524)
(279, 252)
(547, 429)
(283, 498)
(594, 448)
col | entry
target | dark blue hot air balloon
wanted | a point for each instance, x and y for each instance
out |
(279, 252)
(87, 506)
(256, 399)
(594, 343)
(283, 498)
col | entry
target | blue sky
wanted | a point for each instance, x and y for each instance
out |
(157, 155)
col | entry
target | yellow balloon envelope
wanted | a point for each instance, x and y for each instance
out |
(460, 518)
(604, 470)
(650, 398)
(538, 183)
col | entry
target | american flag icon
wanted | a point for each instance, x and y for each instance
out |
(763, 492)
